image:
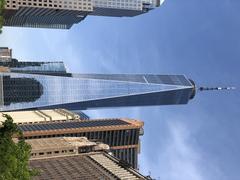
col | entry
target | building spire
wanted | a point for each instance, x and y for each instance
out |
(215, 88)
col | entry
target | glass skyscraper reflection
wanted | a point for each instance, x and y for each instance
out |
(85, 91)
(54, 67)
(33, 85)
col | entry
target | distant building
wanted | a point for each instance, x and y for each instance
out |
(122, 135)
(77, 158)
(49, 67)
(62, 14)
(5, 54)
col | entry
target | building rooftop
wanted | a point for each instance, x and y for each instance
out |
(40, 116)
(78, 126)
(77, 158)
(97, 165)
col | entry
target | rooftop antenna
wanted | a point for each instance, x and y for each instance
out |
(215, 88)
(195, 88)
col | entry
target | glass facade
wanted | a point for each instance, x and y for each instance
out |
(85, 91)
(34, 67)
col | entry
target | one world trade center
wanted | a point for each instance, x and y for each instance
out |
(33, 85)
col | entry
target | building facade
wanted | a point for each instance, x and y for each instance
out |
(122, 135)
(77, 158)
(63, 146)
(41, 116)
(5, 54)
(62, 14)
(47, 85)
(48, 67)
(93, 165)
(87, 91)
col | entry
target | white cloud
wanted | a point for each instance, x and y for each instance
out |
(183, 159)
(178, 158)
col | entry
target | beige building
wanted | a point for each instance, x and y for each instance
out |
(122, 135)
(40, 116)
(5, 54)
(77, 158)
(63, 146)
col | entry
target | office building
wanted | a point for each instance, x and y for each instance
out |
(122, 135)
(47, 85)
(77, 158)
(19, 91)
(62, 14)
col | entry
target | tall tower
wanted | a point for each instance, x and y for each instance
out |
(62, 14)
(87, 91)
(47, 85)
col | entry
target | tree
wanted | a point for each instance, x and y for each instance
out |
(2, 4)
(14, 157)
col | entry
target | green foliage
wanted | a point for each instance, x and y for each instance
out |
(2, 4)
(14, 157)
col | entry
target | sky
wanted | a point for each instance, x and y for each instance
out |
(197, 141)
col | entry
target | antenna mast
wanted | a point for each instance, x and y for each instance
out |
(215, 88)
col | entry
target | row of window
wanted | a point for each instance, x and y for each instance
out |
(112, 138)
(128, 155)
(56, 4)
(52, 153)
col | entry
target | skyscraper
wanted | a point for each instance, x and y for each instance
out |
(85, 91)
(63, 14)
(47, 85)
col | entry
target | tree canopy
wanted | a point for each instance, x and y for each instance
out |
(14, 157)
(2, 4)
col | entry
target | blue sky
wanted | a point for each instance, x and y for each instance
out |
(198, 141)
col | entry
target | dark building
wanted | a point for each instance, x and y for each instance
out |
(122, 135)
(43, 17)
(63, 14)
(20, 90)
